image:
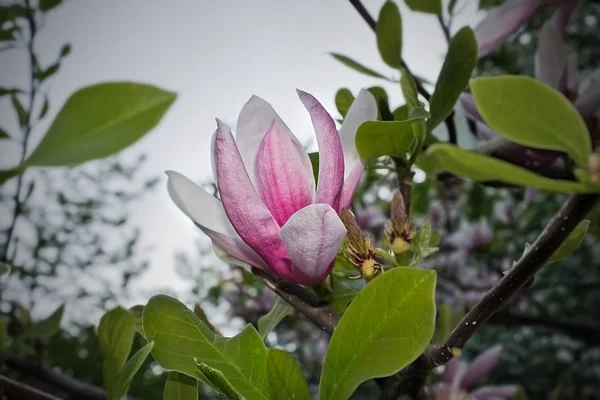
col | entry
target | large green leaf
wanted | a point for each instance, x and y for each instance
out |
(409, 90)
(481, 168)
(99, 121)
(129, 370)
(385, 328)
(384, 138)
(454, 76)
(350, 63)
(426, 6)
(6, 174)
(343, 100)
(269, 321)
(285, 376)
(180, 387)
(389, 34)
(115, 335)
(181, 338)
(344, 290)
(46, 328)
(531, 113)
(571, 243)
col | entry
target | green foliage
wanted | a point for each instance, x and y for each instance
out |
(454, 76)
(424, 244)
(350, 63)
(181, 338)
(571, 243)
(129, 370)
(180, 387)
(482, 168)
(4, 134)
(343, 101)
(269, 321)
(22, 115)
(385, 328)
(136, 312)
(409, 90)
(285, 376)
(314, 161)
(426, 6)
(384, 138)
(98, 121)
(219, 382)
(115, 336)
(47, 5)
(343, 290)
(45, 328)
(4, 269)
(389, 34)
(531, 113)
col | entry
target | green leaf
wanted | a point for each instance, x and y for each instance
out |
(426, 6)
(384, 138)
(571, 243)
(219, 382)
(7, 174)
(181, 337)
(48, 72)
(520, 395)
(45, 108)
(444, 324)
(531, 113)
(130, 369)
(348, 62)
(204, 318)
(454, 76)
(401, 113)
(344, 290)
(20, 110)
(136, 313)
(314, 161)
(65, 50)
(343, 101)
(423, 245)
(381, 98)
(482, 168)
(115, 335)
(47, 5)
(4, 269)
(9, 91)
(99, 121)
(389, 34)
(285, 376)
(451, 5)
(45, 328)
(269, 321)
(180, 387)
(409, 90)
(387, 326)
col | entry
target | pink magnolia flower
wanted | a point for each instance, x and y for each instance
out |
(270, 215)
(459, 377)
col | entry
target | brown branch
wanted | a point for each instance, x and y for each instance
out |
(14, 390)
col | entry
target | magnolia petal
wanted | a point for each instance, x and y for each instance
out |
(331, 156)
(467, 102)
(482, 366)
(253, 122)
(350, 184)
(561, 17)
(551, 57)
(450, 370)
(572, 77)
(212, 156)
(235, 246)
(312, 238)
(363, 108)
(503, 21)
(199, 205)
(498, 392)
(280, 180)
(250, 218)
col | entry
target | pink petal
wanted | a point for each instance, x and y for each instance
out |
(249, 216)
(551, 57)
(254, 120)
(312, 238)
(363, 108)
(572, 77)
(280, 180)
(236, 247)
(482, 366)
(331, 156)
(495, 392)
(561, 17)
(350, 184)
(467, 102)
(503, 21)
(450, 370)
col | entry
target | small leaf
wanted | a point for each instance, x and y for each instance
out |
(48, 72)
(45, 328)
(381, 98)
(47, 5)
(219, 382)
(130, 369)
(45, 108)
(137, 312)
(571, 243)
(409, 90)
(389, 34)
(343, 101)
(451, 5)
(7, 174)
(4, 269)
(314, 161)
(387, 326)
(115, 336)
(426, 6)
(422, 244)
(454, 76)
(269, 321)
(482, 168)
(180, 387)
(182, 339)
(285, 376)
(202, 315)
(531, 113)
(20, 110)
(9, 91)
(65, 50)
(401, 113)
(347, 61)
(384, 138)
(99, 121)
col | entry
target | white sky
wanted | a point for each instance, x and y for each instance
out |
(215, 55)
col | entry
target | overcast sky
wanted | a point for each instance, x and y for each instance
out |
(215, 55)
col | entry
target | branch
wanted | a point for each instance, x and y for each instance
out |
(18, 391)
(75, 388)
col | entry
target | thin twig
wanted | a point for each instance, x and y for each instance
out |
(10, 389)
